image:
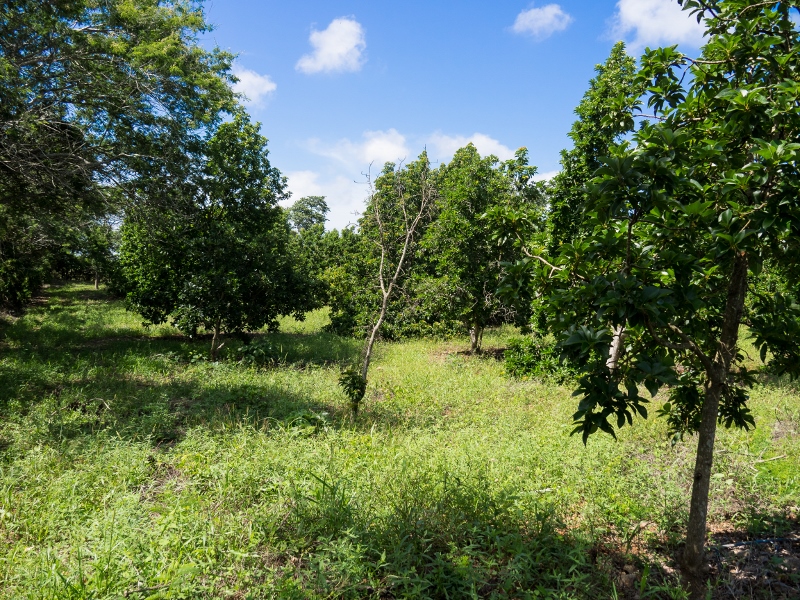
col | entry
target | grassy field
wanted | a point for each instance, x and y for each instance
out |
(131, 467)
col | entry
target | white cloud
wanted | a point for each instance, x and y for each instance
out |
(377, 147)
(655, 23)
(345, 197)
(340, 47)
(444, 146)
(543, 22)
(343, 182)
(546, 176)
(254, 86)
(341, 179)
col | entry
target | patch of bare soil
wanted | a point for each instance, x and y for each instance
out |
(739, 566)
(164, 475)
(756, 568)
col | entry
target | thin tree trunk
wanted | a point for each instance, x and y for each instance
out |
(475, 338)
(214, 340)
(96, 281)
(694, 553)
(615, 352)
(374, 335)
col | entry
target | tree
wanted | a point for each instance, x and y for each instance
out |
(397, 212)
(604, 114)
(683, 219)
(98, 98)
(223, 262)
(313, 249)
(466, 258)
(308, 212)
(24, 252)
(88, 252)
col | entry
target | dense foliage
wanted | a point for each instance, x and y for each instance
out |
(99, 100)
(536, 356)
(222, 262)
(682, 220)
(604, 115)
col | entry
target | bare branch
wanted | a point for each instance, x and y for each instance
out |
(688, 343)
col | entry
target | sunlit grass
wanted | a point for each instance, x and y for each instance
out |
(132, 465)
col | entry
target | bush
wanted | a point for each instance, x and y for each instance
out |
(259, 353)
(536, 356)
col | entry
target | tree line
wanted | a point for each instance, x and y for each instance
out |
(673, 222)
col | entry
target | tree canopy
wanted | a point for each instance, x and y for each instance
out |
(100, 101)
(682, 220)
(222, 260)
(604, 114)
(307, 212)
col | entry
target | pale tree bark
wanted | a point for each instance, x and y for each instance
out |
(475, 338)
(96, 281)
(717, 371)
(412, 223)
(215, 339)
(615, 352)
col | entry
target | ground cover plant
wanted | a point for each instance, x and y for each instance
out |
(132, 466)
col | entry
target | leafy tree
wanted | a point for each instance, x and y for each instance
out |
(314, 249)
(89, 252)
(99, 97)
(24, 257)
(223, 261)
(467, 258)
(397, 212)
(682, 222)
(346, 274)
(355, 292)
(308, 212)
(604, 114)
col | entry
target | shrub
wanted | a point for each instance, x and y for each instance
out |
(537, 356)
(259, 353)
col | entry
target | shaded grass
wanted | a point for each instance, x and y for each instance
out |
(131, 465)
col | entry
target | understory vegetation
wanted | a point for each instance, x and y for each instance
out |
(254, 406)
(132, 466)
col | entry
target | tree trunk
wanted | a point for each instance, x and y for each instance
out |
(694, 552)
(371, 342)
(475, 338)
(96, 281)
(215, 339)
(615, 352)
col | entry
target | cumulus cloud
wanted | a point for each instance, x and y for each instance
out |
(338, 48)
(341, 179)
(546, 176)
(377, 147)
(254, 86)
(542, 22)
(655, 23)
(345, 197)
(444, 146)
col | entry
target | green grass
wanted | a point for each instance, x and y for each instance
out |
(132, 467)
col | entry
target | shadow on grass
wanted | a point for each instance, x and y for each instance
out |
(441, 533)
(760, 561)
(65, 371)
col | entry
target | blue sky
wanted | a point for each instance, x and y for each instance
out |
(340, 84)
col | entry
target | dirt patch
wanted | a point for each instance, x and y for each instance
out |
(739, 564)
(762, 568)
(164, 475)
